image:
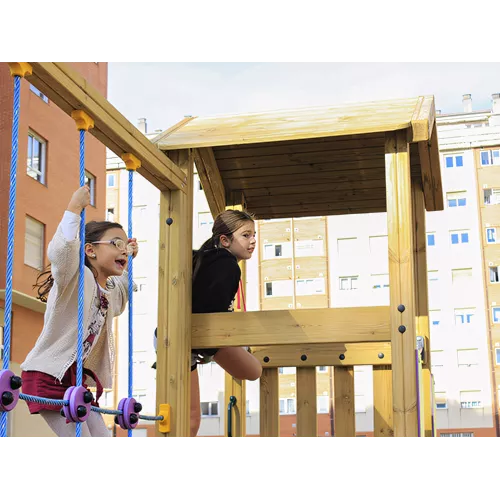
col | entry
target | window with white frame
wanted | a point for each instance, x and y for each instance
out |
(457, 435)
(441, 400)
(379, 248)
(457, 199)
(467, 357)
(287, 406)
(471, 399)
(348, 282)
(347, 247)
(437, 358)
(323, 404)
(497, 355)
(37, 158)
(495, 312)
(379, 281)
(35, 91)
(309, 248)
(322, 369)
(431, 239)
(491, 235)
(110, 214)
(461, 277)
(491, 196)
(453, 161)
(279, 288)
(433, 278)
(313, 286)
(464, 316)
(90, 182)
(34, 243)
(494, 276)
(459, 237)
(490, 157)
(434, 317)
(277, 250)
(111, 178)
(359, 403)
(209, 408)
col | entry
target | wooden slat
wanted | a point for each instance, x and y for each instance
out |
(421, 299)
(344, 413)
(425, 163)
(237, 388)
(211, 181)
(423, 119)
(370, 353)
(382, 401)
(301, 326)
(174, 302)
(314, 212)
(283, 125)
(437, 186)
(172, 129)
(401, 279)
(269, 403)
(307, 418)
(66, 88)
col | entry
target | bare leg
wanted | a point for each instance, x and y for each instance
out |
(96, 425)
(195, 419)
(239, 363)
(60, 427)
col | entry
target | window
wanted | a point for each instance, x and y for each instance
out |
(437, 358)
(111, 180)
(314, 286)
(490, 157)
(454, 161)
(309, 248)
(464, 316)
(491, 235)
(322, 369)
(34, 243)
(461, 277)
(110, 214)
(108, 398)
(441, 401)
(497, 355)
(323, 404)
(348, 283)
(36, 160)
(457, 199)
(35, 91)
(359, 403)
(275, 250)
(433, 277)
(456, 435)
(209, 408)
(470, 399)
(380, 281)
(281, 288)
(287, 406)
(467, 357)
(496, 314)
(494, 278)
(431, 239)
(459, 237)
(347, 247)
(491, 196)
(434, 317)
(90, 182)
(280, 370)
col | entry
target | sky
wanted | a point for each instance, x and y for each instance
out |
(164, 93)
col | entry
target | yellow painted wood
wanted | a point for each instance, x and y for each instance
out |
(382, 401)
(269, 403)
(211, 181)
(367, 353)
(301, 326)
(344, 413)
(307, 418)
(423, 119)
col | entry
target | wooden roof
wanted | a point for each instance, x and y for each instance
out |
(311, 161)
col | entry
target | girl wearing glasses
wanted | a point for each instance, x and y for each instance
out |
(50, 367)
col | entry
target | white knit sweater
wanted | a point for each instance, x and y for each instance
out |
(56, 348)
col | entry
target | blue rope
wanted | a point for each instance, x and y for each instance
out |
(47, 401)
(130, 291)
(79, 363)
(10, 238)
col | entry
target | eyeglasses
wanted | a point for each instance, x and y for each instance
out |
(119, 244)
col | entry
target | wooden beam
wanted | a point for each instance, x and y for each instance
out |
(235, 387)
(344, 413)
(437, 186)
(70, 91)
(401, 281)
(427, 180)
(421, 300)
(174, 301)
(301, 326)
(269, 403)
(382, 401)
(307, 415)
(211, 181)
(369, 353)
(172, 129)
(423, 119)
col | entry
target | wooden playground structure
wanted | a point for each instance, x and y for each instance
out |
(350, 159)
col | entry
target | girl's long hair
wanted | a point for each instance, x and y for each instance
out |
(94, 231)
(225, 224)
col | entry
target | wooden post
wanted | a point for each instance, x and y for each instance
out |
(402, 283)
(382, 401)
(307, 414)
(344, 414)
(174, 299)
(269, 403)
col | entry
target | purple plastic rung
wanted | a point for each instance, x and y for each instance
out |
(75, 396)
(8, 396)
(127, 406)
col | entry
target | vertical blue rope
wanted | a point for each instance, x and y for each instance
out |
(10, 238)
(81, 280)
(130, 291)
